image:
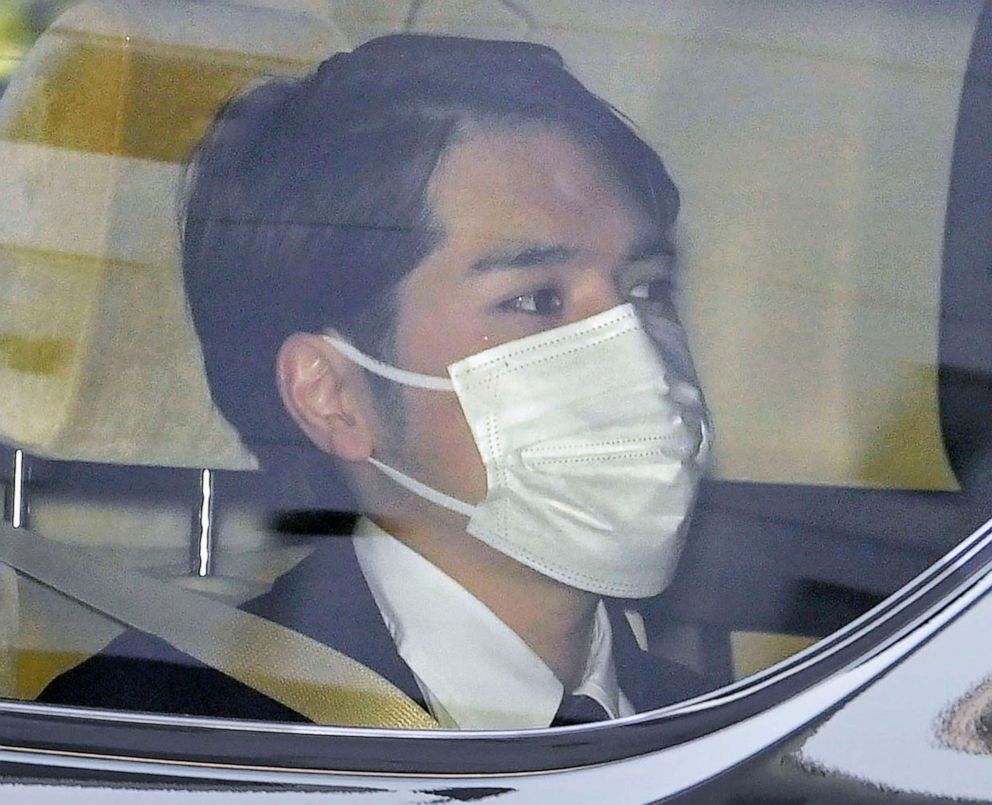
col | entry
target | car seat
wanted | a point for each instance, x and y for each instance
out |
(105, 408)
(805, 560)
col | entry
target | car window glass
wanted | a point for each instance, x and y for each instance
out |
(548, 363)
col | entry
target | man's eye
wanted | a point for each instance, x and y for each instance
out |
(656, 290)
(545, 302)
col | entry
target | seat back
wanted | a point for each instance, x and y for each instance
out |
(9, 624)
(105, 402)
(95, 127)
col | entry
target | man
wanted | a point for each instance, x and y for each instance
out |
(425, 258)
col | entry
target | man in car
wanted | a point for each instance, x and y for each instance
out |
(438, 274)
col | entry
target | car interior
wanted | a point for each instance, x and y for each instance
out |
(852, 450)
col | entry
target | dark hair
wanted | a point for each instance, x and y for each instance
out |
(308, 199)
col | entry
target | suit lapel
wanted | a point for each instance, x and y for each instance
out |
(325, 597)
(649, 682)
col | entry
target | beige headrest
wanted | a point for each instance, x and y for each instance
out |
(98, 360)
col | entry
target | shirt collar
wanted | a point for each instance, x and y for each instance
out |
(474, 670)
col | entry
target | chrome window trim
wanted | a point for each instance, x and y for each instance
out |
(845, 661)
(643, 778)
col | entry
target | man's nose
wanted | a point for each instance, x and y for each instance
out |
(594, 295)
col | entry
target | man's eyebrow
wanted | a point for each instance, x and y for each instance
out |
(524, 256)
(651, 248)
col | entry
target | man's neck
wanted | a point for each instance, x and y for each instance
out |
(555, 620)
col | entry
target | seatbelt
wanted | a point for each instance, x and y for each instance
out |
(313, 679)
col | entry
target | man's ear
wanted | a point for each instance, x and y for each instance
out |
(327, 396)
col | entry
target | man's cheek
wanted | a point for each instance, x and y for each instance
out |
(440, 443)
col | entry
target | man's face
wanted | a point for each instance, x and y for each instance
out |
(536, 235)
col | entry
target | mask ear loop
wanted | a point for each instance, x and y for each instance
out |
(428, 493)
(417, 380)
(377, 367)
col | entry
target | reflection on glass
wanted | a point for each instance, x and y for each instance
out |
(438, 286)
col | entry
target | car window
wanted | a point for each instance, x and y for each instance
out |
(494, 367)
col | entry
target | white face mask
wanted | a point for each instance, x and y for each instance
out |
(593, 447)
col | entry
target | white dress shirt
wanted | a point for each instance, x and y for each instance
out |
(475, 672)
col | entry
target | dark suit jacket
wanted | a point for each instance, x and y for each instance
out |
(324, 597)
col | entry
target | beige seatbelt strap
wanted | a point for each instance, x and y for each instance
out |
(307, 676)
